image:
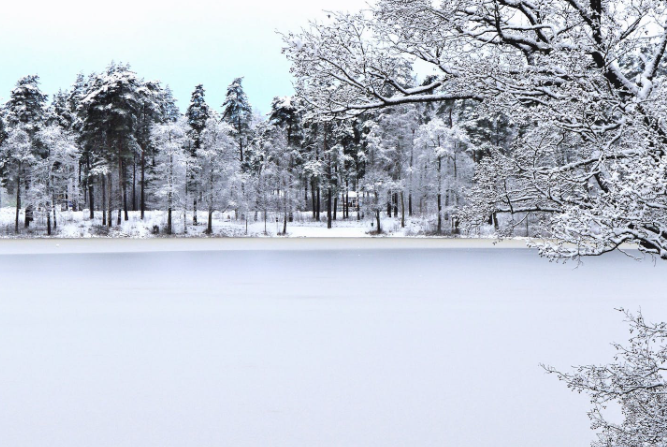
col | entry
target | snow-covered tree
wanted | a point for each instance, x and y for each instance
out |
(217, 168)
(442, 142)
(197, 114)
(25, 115)
(17, 160)
(236, 111)
(52, 176)
(633, 382)
(170, 171)
(590, 156)
(110, 113)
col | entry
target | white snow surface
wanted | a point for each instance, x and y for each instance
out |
(330, 346)
(76, 224)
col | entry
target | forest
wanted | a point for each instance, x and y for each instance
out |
(497, 119)
(115, 143)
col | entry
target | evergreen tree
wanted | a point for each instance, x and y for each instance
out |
(238, 113)
(157, 106)
(110, 113)
(170, 110)
(25, 117)
(197, 115)
(25, 108)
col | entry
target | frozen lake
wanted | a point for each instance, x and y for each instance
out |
(321, 347)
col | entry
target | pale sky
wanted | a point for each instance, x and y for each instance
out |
(182, 43)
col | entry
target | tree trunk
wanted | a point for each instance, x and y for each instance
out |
(48, 218)
(313, 197)
(18, 199)
(142, 200)
(91, 192)
(55, 218)
(134, 181)
(402, 211)
(104, 202)
(319, 208)
(120, 183)
(346, 212)
(109, 198)
(335, 207)
(377, 213)
(209, 227)
(329, 214)
(439, 196)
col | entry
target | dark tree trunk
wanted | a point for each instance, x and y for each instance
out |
(194, 211)
(377, 214)
(402, 211)
(134, 181)
(121, 189)
(110, 204)
(143, 184)
(313, 197)
(335, 207)
(439, 196)
(209, 227)
(319, 208)
(91, 191)
(55, 220)
(125, 215)
(329, 214)
(48, 218)
(18, 199)
(104, 202)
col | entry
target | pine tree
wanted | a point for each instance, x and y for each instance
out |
(25, 117)
(197, 115)
(110, 111)
(169, 108)
(238, 113)
(26, 105)
(157, 106)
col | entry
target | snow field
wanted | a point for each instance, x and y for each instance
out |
(78, 225)
(302, 348)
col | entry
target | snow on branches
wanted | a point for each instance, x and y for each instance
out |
(581, 85)
(635, 381)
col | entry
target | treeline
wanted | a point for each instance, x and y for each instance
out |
(115, 143)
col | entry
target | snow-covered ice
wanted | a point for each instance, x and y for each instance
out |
(319, 347)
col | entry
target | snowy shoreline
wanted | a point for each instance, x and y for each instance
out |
(131, 245)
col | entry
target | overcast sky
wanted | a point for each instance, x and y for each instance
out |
(182, 43)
